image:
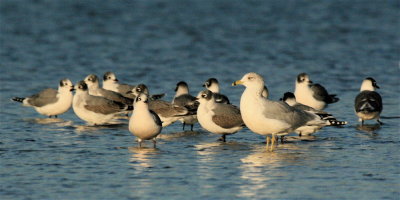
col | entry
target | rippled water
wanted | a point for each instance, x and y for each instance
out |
(162, 42)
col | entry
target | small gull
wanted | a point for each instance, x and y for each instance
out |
(270, 118)
(168, 112)
(144, 123)
(368, 103)
(313, 95)
(92, 81)
(183, 98)
(224, 119)
(290, 99)
(51, 102)
(110, 82)
(213, 85)
(95, 110)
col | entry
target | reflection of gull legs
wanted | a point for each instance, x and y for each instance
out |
(268, 141)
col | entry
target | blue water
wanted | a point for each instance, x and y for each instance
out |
(338, 43)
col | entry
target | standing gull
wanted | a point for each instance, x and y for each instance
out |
(95, 109)
(92, 82)
(51, 102)
(110, 82)
(213, 85)
(290, 99)
(224, 119)
(144, 123)
(270, 118)
(167, 112)
(313, 95)
(368, 103)
(184, 99)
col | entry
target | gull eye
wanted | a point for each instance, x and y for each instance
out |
(250, 78)
(139, 99)
(204, 95)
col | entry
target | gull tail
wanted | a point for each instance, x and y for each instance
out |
(331, 120)
(333, 98)
(18, 99)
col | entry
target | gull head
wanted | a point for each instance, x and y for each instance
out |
(110, 76)
(303, 78)
(182, 86)
(212, 85)
(141, 88)
(141, 99)
(66, 84)
(289, 98)
(81, 86)
(204, 96)
(369, 84)
(91, 79)
(251, 80)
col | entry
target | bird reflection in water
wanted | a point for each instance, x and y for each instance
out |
(261, 168)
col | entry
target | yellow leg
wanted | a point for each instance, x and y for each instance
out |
(273, 142)
(268, 141)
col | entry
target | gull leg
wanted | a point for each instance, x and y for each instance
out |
(273, 140)
(140, 143)
(191, 127)
(379, 121)
(222, 138)
(183, 126)
(154, 142)
(268, 141)
(55, 116)
(282, 139)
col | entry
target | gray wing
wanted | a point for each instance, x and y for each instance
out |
(368, 101)
(43, 98)
(187, 101)
(104, 106)
(227, 116)
(124, 88)
(156, 118)
(300, 106)
(320, 93)
(220, 98)
(282, 111)
(111, 95)
(166, 109)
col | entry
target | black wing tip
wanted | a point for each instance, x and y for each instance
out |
(18, 99)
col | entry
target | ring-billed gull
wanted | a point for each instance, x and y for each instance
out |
(270, 118)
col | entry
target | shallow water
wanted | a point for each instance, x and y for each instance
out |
(159, 43)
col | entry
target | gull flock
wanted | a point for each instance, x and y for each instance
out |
(300, 112)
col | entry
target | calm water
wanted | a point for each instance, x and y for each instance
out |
(162, 42)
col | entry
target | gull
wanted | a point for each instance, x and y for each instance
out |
(168, 112)
(184, 99)
(95, 110)
(213, 85)
(92, 81)
(313, 95)
(290, 99)
(270, 118)
(50, 102)
(110, 82)
(368, 103)
(224, 119)
(144, 123)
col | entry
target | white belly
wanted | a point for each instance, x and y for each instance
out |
(304, 95)
(143, 126)
(89, 116)
(57, 108)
